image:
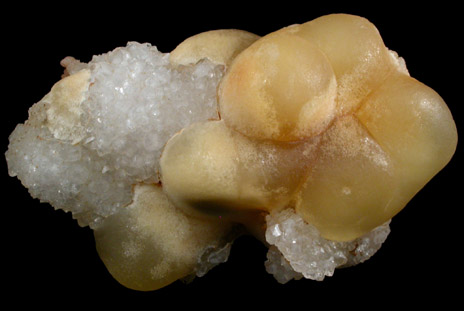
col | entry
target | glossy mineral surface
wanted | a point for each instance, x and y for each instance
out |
(310, 138)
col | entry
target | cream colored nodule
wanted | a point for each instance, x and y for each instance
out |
(218, 46)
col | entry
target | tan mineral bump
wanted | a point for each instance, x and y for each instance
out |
(413, 124)
(371, 164)
(219, 46)
(199, 168)
(355, 50)
(349, 185)
(63, 106)
(151, 243)
(212, 169)
(281, 88)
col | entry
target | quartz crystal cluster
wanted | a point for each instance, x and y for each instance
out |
(84, 147)
(299, 250)
(310, 138)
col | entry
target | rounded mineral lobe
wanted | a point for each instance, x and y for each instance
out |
(372, 163)
(212, 169)
(150, 243)
(356, 51)
(280, 88)
(218, 46)
(349, 185)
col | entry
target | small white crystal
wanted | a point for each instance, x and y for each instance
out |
(279, 267)
(212, 257)
(276, 232)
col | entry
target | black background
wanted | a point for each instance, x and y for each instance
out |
(47, 256)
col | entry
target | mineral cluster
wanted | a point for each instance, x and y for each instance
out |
(310, 138)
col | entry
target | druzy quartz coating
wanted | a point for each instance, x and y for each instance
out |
(310, 138)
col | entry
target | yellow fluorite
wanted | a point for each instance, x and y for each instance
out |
(319, 117)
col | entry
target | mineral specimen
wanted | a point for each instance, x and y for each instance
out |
(310, 138)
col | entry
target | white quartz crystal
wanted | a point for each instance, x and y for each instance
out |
(298, 245)
(212, 257)
(279, 267)
(136, 100)
(66, 176)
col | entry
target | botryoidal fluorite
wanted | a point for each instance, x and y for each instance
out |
(310, 138)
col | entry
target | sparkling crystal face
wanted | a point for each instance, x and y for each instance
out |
(130, 102)
(310, 138)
